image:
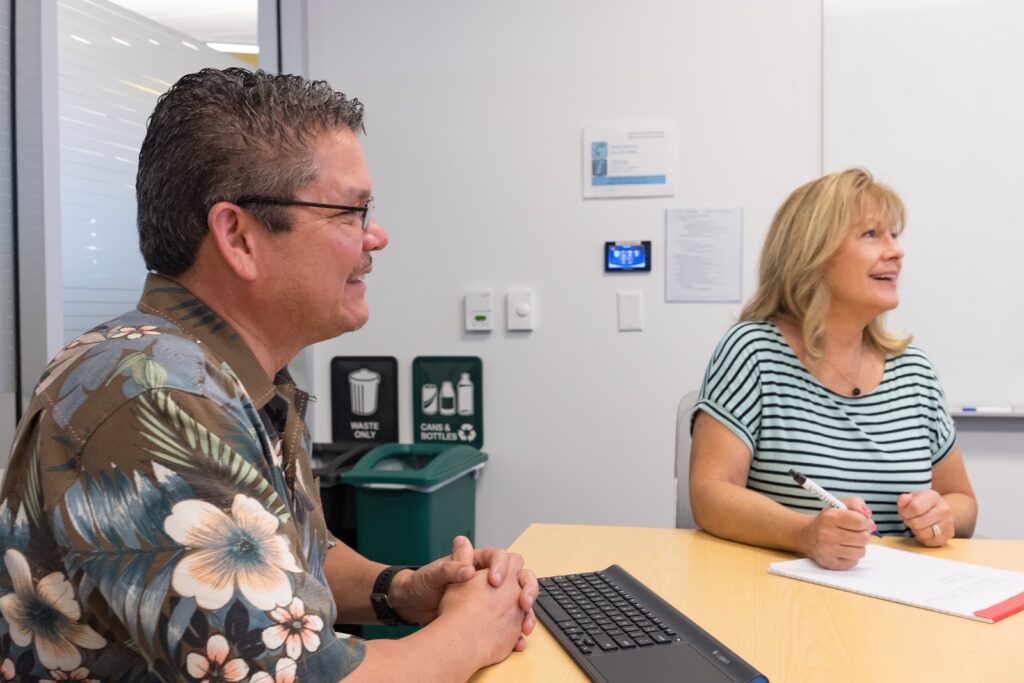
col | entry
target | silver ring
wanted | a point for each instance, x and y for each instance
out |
(936, 530)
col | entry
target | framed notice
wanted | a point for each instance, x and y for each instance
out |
(364, 399)
(630, 160)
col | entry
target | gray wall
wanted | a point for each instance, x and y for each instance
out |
(474, 118)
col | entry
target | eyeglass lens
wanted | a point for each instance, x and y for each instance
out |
(368, 215)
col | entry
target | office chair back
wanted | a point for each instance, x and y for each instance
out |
(684, 513)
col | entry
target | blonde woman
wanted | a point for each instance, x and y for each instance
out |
(810, 380)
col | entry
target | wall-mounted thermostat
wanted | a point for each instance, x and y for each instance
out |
(479, 311)
(626, 257)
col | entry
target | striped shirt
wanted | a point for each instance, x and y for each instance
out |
(876, 445)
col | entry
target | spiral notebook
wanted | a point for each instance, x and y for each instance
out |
(965, 590)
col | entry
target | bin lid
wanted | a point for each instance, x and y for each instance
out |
(414, 466)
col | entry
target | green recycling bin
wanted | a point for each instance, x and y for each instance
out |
(411, 501)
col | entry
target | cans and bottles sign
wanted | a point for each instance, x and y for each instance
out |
(364, 399)
(448, 400)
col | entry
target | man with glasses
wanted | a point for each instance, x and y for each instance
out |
(160, 518)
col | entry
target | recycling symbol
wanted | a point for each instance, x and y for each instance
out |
(466, 432)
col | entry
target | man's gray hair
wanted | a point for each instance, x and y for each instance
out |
(219, 135)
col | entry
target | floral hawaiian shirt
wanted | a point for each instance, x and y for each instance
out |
(159, 519)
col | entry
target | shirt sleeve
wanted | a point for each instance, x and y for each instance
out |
(181, 532)
(941, 428)
(731, 391)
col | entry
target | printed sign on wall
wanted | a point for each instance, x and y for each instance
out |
(447, 400)
(630, 160)
(364, 399)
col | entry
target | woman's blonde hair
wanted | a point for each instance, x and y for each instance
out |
(806, 232)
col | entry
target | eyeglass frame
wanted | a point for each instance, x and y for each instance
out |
(366, 210)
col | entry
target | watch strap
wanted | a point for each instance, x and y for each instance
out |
(379, 597)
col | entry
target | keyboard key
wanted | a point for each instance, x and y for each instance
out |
(624, 642)
(605, 643)
(552, 608)
(659, 637)
(643, 641)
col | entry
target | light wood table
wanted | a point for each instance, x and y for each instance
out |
(790, 630)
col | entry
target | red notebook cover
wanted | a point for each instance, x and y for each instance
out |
(1003, 609)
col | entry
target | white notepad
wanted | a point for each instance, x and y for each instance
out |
(958, 588)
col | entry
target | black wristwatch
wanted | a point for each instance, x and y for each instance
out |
(379, 597)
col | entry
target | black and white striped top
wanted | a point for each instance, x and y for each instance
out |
(876, 446)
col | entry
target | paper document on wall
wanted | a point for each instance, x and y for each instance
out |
(703, 254)
(965, 590)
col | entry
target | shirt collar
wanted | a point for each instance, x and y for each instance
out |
(170, 300)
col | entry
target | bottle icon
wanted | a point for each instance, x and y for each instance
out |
(447, 399)
(428, 399)
(465, 394)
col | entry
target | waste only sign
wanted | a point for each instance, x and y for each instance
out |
(447, 395)
(364, 399)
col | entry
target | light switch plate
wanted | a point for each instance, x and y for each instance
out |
(631, 311)
(519, 310)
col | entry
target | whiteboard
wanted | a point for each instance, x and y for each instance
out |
(929, 96)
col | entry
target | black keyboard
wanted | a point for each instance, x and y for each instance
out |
(599, 617)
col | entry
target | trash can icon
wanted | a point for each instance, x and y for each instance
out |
(363, 385)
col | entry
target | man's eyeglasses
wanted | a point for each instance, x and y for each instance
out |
(366, 210)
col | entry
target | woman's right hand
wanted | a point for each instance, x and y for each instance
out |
(837, 539)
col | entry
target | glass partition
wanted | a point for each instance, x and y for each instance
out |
(8, 309)
(114, 63)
